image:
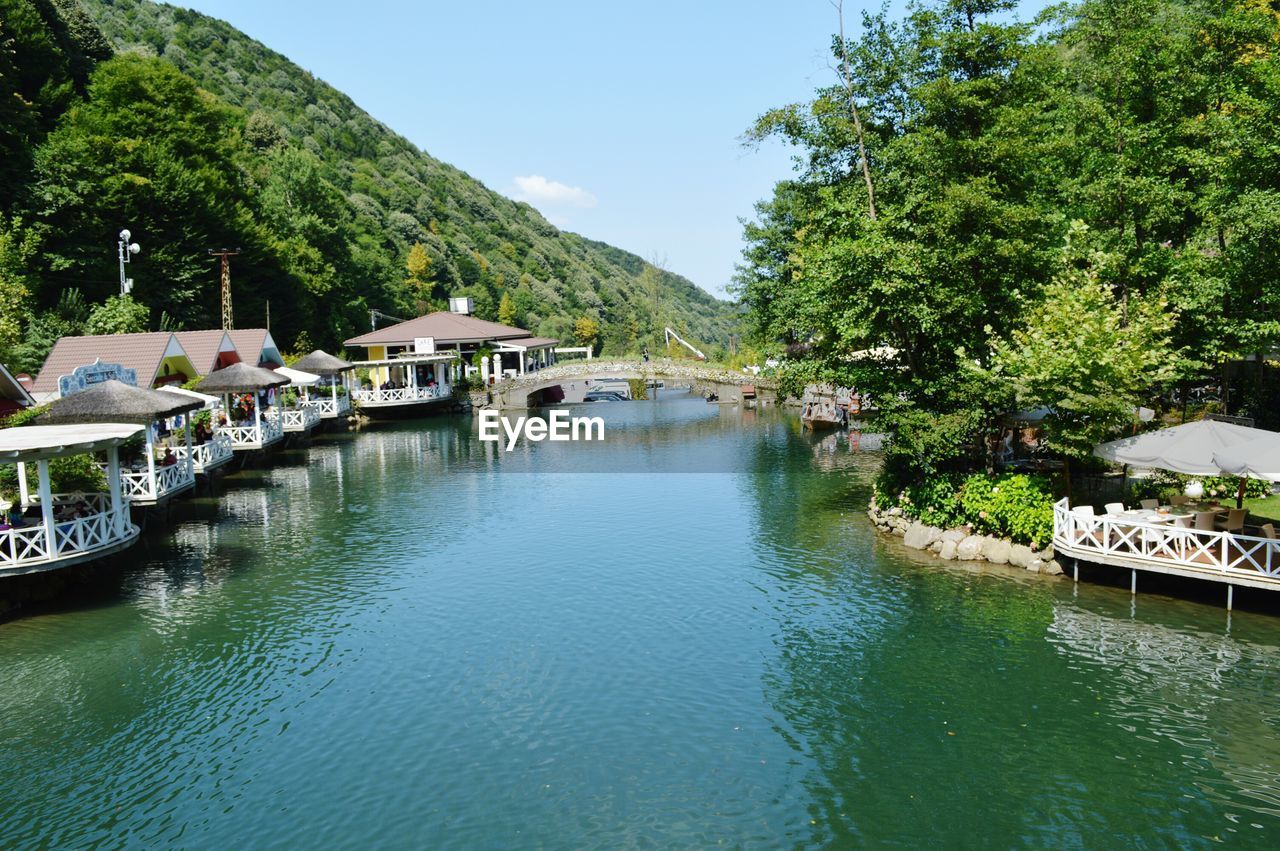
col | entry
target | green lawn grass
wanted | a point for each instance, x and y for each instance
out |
(1264, 509)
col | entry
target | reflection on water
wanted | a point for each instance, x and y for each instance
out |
(403, 636)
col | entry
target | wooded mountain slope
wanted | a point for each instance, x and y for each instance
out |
(196, 136)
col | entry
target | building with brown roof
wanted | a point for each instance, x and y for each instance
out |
(256, 347)
(13, 396)
(208, 350)
(147, 360)
(515, 349)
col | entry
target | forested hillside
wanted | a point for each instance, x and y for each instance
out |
(121, 113)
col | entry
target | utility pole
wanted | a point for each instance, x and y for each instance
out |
(225, 254)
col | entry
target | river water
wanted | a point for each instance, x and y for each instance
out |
(404, 638)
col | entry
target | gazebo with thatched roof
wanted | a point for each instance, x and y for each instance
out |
(241, 378)
(335, 370)
(112, 401)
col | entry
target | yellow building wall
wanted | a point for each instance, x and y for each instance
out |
(379, 374)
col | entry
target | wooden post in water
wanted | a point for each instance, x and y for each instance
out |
(1133, 584)
(1230, 596)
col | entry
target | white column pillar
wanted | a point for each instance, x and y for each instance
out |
(151, 463)
(257, 415)
(46, 506)
(521, 356)
(497, 367)
(484, 370)
(186, 420)
(113, 485)
(24, 491)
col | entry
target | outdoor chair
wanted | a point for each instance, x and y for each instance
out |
(1234, 522)
(1268, 531)
(1179, 499)
(1205, 520)
(1115, 507)
(1083, 510)
(1150, 504)
(1186, 521)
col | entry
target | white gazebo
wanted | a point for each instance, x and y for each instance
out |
(206, 455)
(333, 371)
(151, 480)
(262, 430)
(299, 418)
(73, 527)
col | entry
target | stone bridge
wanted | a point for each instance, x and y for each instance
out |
(526, 391)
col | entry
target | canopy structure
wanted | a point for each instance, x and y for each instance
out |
(322, 363)
(1257, 459)
(297, 377)
(1189, 448)
(241, 378)
(115, 402)
(209, 402)
(37, 442)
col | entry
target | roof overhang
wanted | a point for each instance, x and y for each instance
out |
(37, 443)
(438, 357)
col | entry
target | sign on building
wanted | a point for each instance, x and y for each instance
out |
(84, 377)
(424, 345)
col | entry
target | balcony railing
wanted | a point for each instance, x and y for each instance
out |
(252, 436)
(27, 548)
(296, 419)
(401, 395)
(329, 408)
(208, 455)
(1164, 546)
(140, 487)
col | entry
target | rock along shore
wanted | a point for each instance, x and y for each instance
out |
(960, 544)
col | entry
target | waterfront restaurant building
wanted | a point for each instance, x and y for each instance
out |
(439, 347)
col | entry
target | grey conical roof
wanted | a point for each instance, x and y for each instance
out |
(115, 402)
(322, 363)
(240, 378)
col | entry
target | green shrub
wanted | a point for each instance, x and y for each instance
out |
(1007, 505)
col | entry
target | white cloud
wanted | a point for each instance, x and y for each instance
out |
(536, 189)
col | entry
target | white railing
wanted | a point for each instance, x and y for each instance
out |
(401, 395)
(139, 486)
(329, 408)
(207, 455)
(28, 545)
(1164, 544)
(295, 419)
(252, 436)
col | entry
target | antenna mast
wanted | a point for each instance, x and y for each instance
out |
(225, 254)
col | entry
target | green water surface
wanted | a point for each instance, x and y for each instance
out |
(404, 638)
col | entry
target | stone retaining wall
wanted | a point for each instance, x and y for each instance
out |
(961, 544)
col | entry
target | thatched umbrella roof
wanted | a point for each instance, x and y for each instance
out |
(115, 402)
(322, 363)
(240, 378)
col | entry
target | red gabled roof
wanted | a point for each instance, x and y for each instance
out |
(143, 352)
(202, 347)
(445, 327)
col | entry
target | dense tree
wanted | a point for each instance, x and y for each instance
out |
(985, 137)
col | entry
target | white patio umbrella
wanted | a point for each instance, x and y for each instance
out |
(1257, 459)
(1190, 448)
(297, 377)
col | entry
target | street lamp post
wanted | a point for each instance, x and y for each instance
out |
(127, 249)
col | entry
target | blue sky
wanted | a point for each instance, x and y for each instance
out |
(620, 121)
